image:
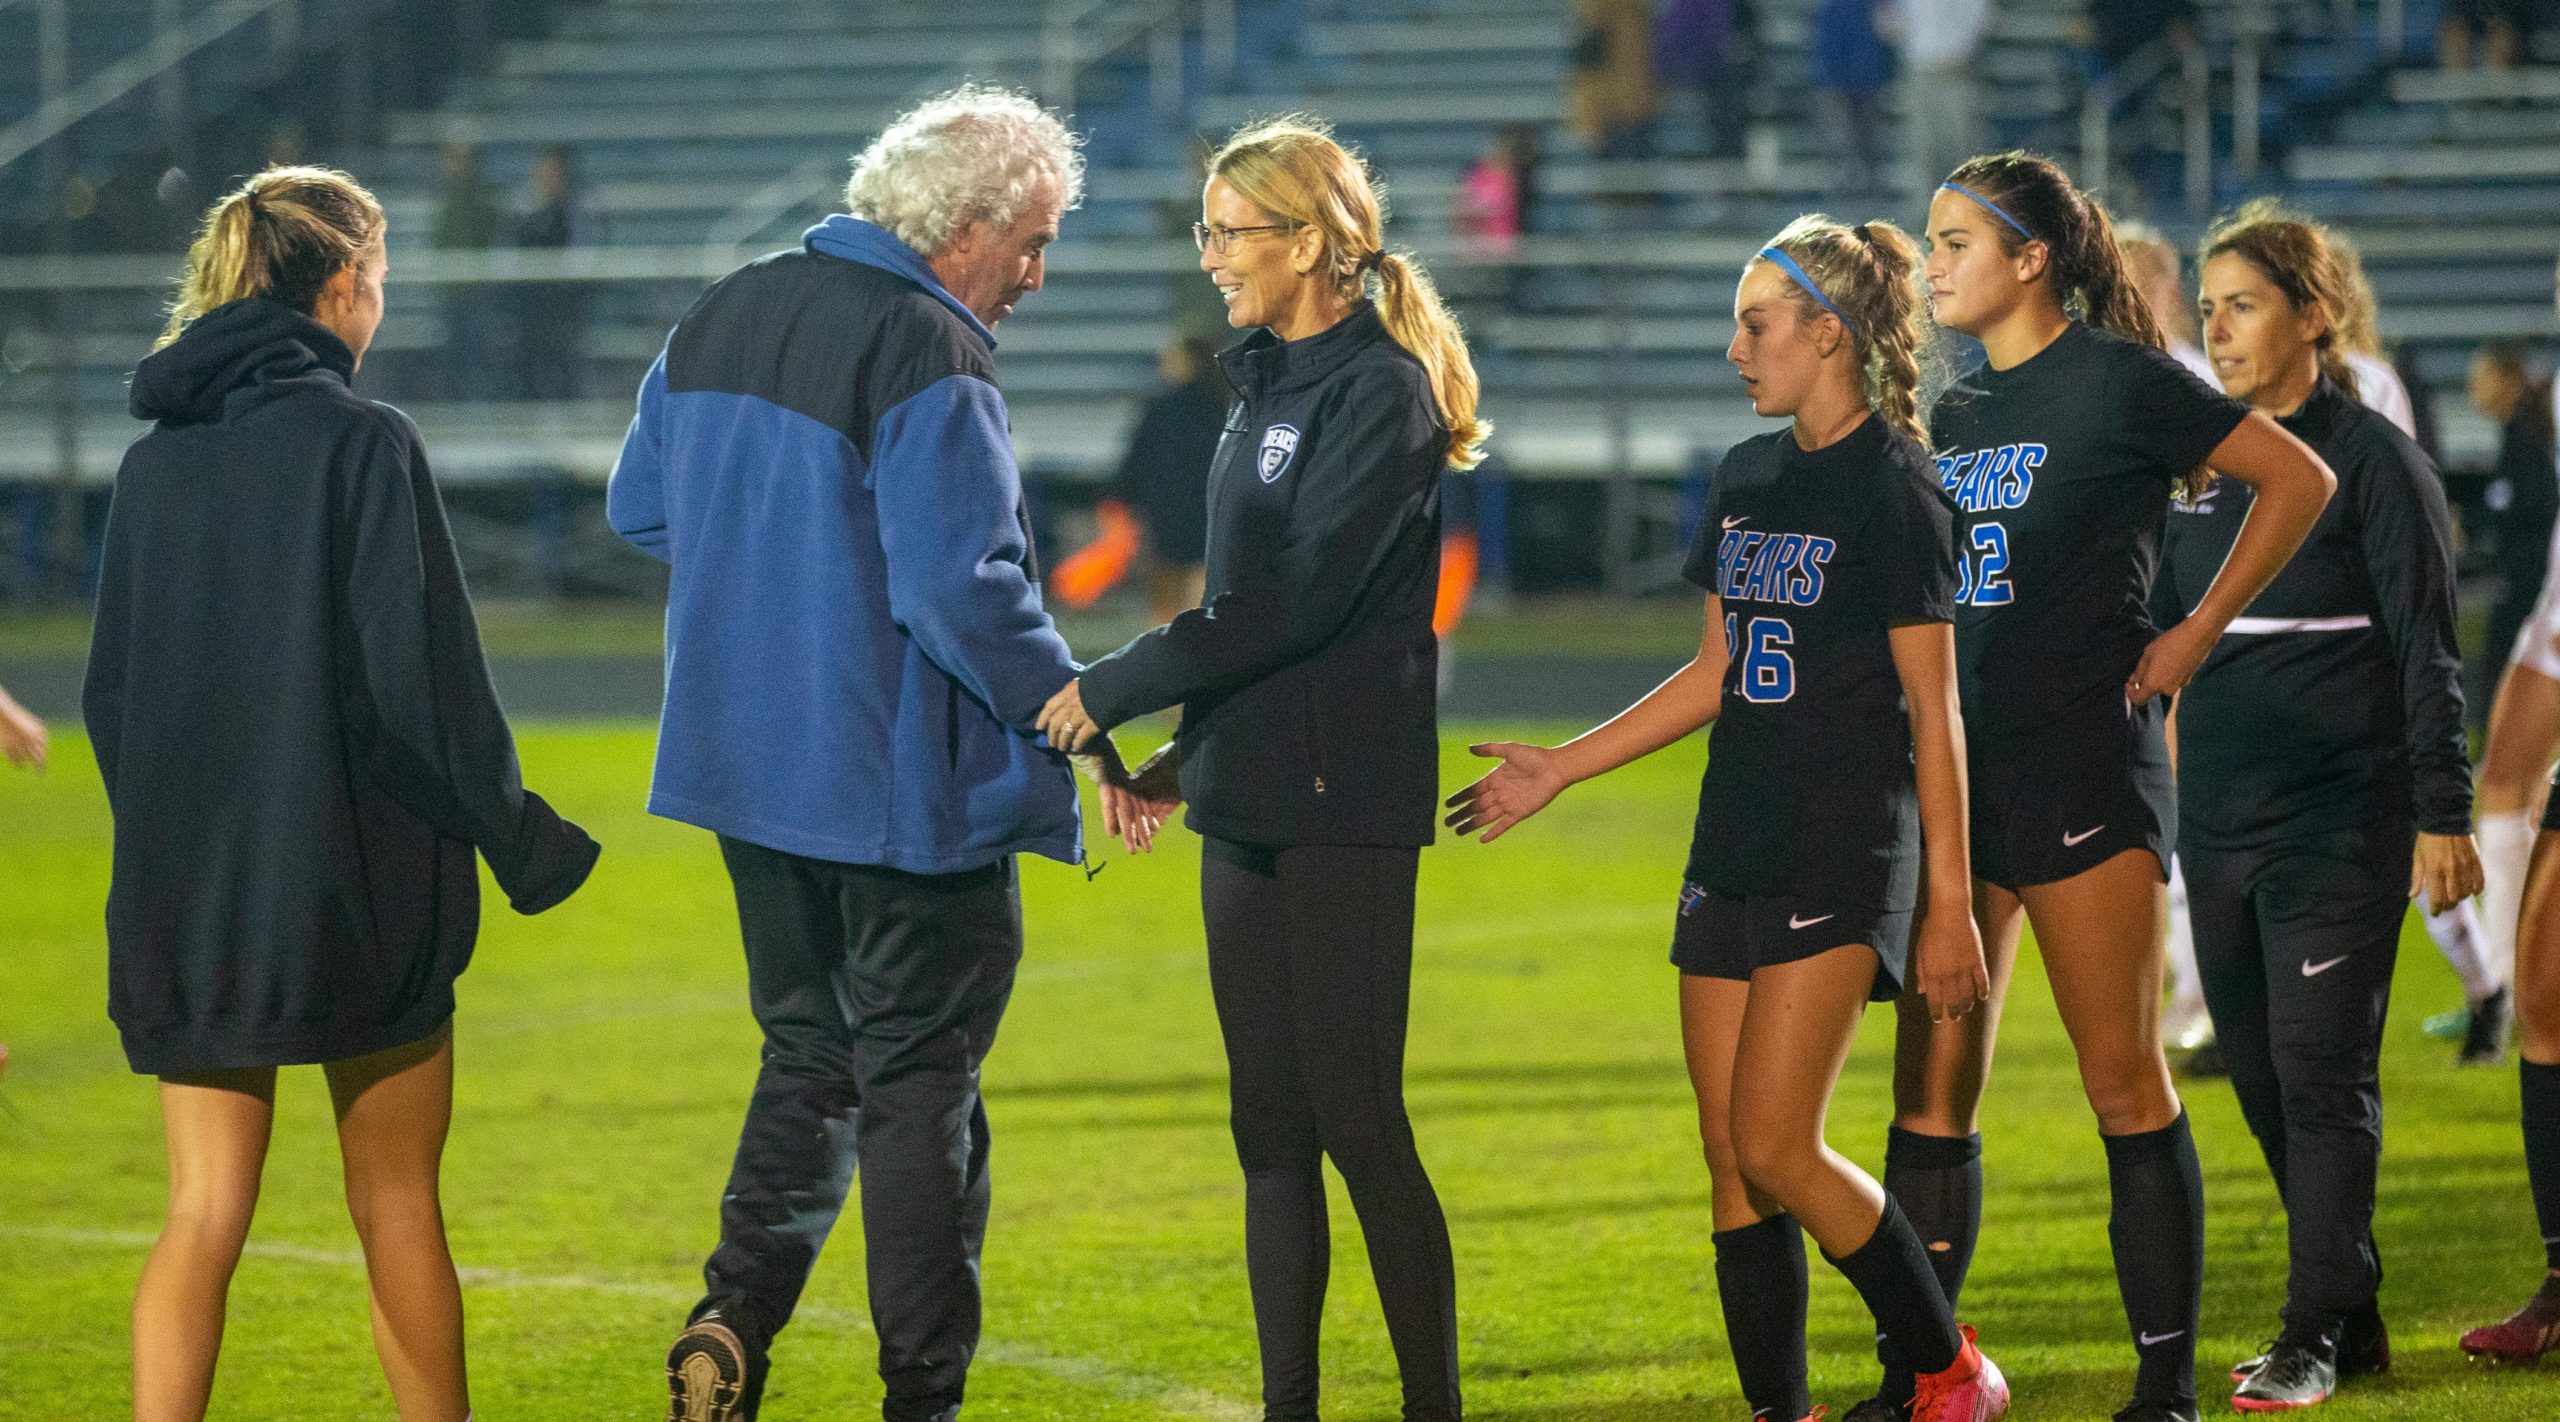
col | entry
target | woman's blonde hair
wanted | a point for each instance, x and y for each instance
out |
(1293, 169)
(281, 235)
(2300, 258)
(1871, 273)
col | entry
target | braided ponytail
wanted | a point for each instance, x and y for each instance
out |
(282, 235)
(1871, 272)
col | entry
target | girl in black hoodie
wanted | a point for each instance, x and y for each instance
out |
(303, 754)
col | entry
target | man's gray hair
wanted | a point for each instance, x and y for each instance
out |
(975, 152)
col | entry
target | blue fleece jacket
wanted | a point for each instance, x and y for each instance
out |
(855, 642)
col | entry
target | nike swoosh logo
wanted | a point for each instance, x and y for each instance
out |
(1795, 922)
(2069, 840)
(1737, 521)
(2150, 1338)
(2313, 970)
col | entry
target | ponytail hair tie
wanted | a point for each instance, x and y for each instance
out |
(1864, 235)
(1374, 261)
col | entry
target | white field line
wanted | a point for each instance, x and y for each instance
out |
(1178, 1400)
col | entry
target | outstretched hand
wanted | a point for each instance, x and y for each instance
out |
(1065, 721)
(1521, 786)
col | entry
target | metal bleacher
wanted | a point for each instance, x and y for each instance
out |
(707, 130)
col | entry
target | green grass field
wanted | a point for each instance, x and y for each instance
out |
(606, 1053)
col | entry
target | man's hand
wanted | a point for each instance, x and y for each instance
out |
(1065, 721)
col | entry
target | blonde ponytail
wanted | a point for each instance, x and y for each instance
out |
(1293, 168)
(282, 235)
(1410, 307)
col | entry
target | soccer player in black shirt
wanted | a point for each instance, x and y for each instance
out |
(2323, 779)
(1828, 665)
(2061, 451)
(2533, 1330)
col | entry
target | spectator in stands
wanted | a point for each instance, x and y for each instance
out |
(551, 316)
(1613, 98)
(22, 739)
(467, 219)
(2523, 497)
(856, 654)
(2156, 268)
(1711, 47)
(1852, 67)
(1164, 477)
(1486, 213)
(2501, 26)
(1939, 42)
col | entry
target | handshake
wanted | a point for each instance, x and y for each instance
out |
(1136, 802)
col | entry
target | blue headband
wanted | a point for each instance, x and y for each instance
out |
(1788, 265)
(1992, 207)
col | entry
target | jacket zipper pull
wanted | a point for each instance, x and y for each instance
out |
(1319, 784)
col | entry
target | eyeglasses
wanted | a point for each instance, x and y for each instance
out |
(1203, 235)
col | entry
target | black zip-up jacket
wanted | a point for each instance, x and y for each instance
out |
(2335, 701)
(289, 708)
(1308, 681)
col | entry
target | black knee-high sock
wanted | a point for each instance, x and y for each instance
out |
(1891, 1272)
(1760, 1277)
(1937, 1180)
(2156, 1223)
(2542, 1151)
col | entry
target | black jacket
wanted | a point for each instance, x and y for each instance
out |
(1165, 473)
(289, 707)
(1308, 681)
(2335, 701)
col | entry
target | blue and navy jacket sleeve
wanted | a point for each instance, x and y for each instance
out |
(635, 495)
(953, 529)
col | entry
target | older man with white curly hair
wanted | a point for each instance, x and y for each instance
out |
(856, 654)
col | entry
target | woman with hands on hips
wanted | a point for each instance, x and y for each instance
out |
(1831, 825)
(1309, 744)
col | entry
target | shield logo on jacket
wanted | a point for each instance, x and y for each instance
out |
(1279, 446)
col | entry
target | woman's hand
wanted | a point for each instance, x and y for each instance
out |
(2170, 662)
(1065, 721)
(1521, 786)
(2445, 868)
(1947, 968)
(22, 736)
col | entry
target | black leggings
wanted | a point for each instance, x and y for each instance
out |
(1311, 959)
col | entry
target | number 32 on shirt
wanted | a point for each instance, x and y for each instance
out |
(1980, 482)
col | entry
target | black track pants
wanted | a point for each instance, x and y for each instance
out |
(879, 993)
(1311, 959)
(2296, 943)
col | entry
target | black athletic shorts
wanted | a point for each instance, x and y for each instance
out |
(2074, 793)
(1729, 935)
